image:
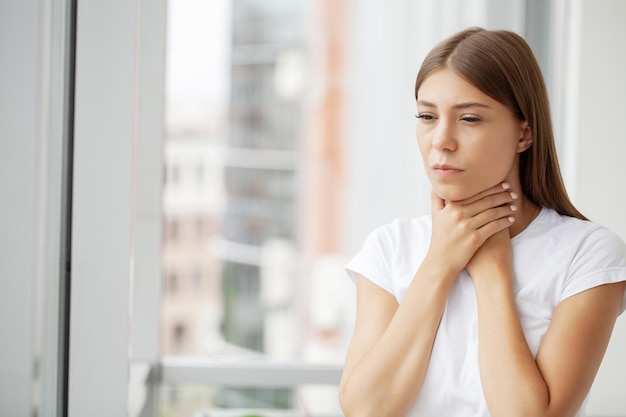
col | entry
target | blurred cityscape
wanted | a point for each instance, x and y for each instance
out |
(252, 207)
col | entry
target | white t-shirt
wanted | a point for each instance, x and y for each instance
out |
(555, 257)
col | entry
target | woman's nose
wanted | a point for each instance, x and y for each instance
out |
(444, 138)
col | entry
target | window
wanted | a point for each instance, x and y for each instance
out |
(178, 337)
(274, 180)
(237, 111)
(174, 177)
(199, 230)
(173, 231)
(196, 285)
(200, 174)
(172, 283)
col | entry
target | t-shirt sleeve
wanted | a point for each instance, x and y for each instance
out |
(373, 260)
(600, 259)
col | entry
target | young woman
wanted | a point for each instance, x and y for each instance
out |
(503, 300)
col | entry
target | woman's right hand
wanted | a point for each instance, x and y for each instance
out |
(461, 227)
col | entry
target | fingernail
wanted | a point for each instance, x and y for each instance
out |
(513, 207)
(506, 185)
(513, 194)
(511, 219)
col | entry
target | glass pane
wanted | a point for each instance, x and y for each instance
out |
(211, 401)
(252, 255)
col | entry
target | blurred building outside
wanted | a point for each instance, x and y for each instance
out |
(253, 185)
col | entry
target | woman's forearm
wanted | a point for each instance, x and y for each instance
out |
(512, 382)
(388, 378)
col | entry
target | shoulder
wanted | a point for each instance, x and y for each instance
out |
(405, 229)
(573, 246)
(594, 254)
(389, 248)
(572, 231)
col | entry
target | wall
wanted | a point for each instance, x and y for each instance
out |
(600, 182)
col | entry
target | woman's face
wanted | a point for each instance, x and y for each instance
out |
(469, 142)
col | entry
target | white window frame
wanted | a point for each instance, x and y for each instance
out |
(33, 147)
(116, 201)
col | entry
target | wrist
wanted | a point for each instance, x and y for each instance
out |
(443, 271)
(497, 279)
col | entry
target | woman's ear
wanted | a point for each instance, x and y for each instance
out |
(526, 140)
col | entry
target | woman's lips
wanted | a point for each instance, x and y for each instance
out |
(445, 170)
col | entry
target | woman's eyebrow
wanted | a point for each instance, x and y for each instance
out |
(470, 104)
(425, 103)
(464, 105)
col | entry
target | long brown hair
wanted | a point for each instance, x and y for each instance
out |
(501, 64)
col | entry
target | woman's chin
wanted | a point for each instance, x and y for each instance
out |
(460, 192)
(453, 194)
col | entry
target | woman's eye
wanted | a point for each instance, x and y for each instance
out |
(470, 119)
(425, 116)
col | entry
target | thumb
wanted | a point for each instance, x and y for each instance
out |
(437, 203)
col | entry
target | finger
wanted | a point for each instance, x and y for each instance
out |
(495, 226)
(437, 203)
(494, 214)
(499, 188)
(504, 198)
